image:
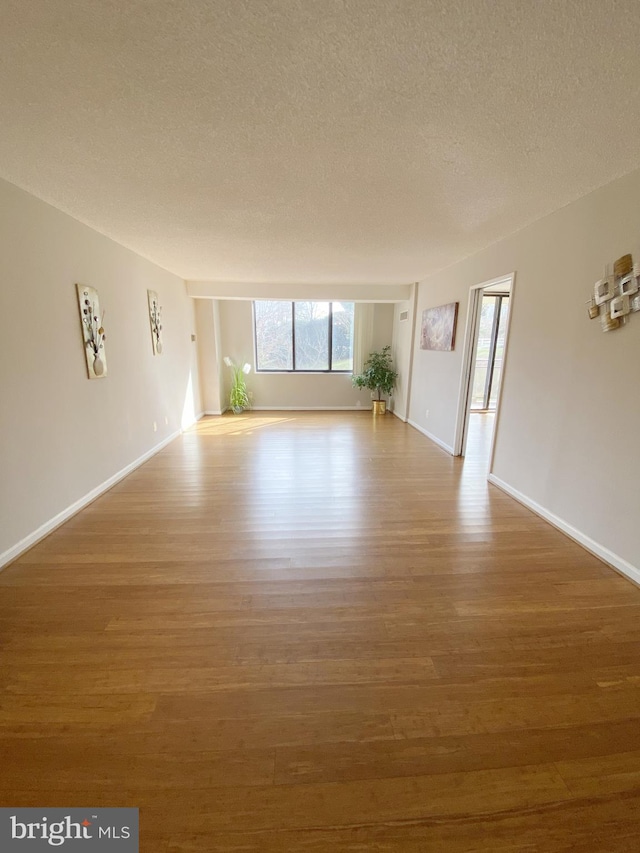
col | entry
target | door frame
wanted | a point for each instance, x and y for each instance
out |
(469, 358)
(496, 326)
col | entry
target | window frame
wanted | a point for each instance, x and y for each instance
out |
(292, 302)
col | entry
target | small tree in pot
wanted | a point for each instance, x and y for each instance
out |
(379, 376)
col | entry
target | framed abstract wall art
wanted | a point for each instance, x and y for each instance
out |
(438, 330)
(92, 320)
(155, 313)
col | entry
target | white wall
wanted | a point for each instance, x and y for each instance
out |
(291, 291)
(210, 364)
(567, 439)
(62, 435)
(290, 390)
(402, 354)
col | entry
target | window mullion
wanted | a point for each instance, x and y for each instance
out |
(493, 346)
(293, 334)
(255, 333)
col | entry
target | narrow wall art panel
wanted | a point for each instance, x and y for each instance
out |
(155, 313)
(92, 320)
(439, 327)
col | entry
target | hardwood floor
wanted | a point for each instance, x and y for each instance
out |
(319, 632)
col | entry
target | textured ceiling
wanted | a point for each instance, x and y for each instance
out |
(316, 140)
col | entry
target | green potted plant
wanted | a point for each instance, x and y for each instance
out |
(379, 376)
(239, 396)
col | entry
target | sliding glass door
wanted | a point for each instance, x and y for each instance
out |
(489, 351)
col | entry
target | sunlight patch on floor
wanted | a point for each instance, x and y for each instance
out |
(235, 424)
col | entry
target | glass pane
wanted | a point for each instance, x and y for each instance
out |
(312, 335)
(482, 353)
(342, 336)
(497, 369)
(274, 347)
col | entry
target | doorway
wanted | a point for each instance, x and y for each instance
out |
(492, 325)
(484, 357)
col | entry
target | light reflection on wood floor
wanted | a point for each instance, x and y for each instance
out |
(319, 632)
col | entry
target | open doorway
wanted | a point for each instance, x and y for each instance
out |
(484, 361)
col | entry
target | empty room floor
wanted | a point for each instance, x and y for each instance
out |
(319, 632)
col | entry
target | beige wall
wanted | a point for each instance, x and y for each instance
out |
(210, 364)
(567, 439)
(63, 435)
(288, 390)
(402, 354)
(247, 290)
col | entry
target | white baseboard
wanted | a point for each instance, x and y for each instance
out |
(310, 409)
(400, 417)
(616, 562)
(294, 409)
(23, 545)
(432, 437)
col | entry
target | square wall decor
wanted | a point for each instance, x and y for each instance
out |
(439, 327)
(616, 295)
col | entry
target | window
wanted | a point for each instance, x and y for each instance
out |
(311, 337)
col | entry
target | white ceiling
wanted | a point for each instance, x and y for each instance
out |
(316, 140)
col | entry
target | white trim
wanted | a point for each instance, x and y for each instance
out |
(431, 436)
(295, 409)
(254, 337)
(400, 417)
(468, 358)
(604, 554)
(412, 347)
(310, 409)
(29, 541)
(504, 370)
